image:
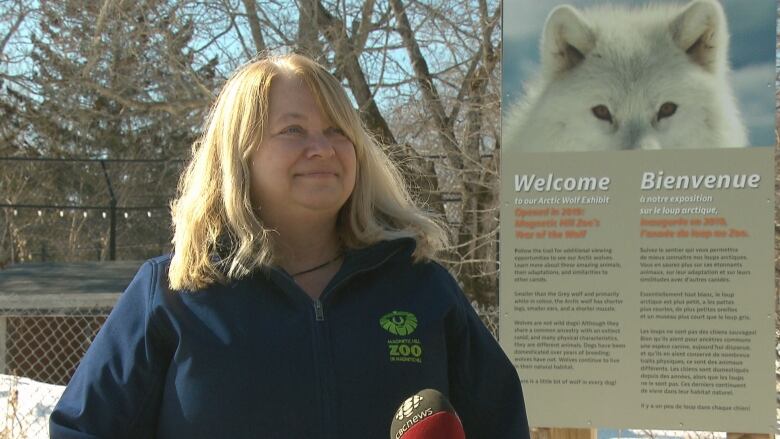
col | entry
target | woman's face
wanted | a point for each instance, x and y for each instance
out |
(305, 164)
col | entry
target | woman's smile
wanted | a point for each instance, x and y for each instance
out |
(317, 174)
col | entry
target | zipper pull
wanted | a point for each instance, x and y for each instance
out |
(318, 311)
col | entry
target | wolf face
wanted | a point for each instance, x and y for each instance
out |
(614, 78)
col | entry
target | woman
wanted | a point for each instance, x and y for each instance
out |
(300, 300)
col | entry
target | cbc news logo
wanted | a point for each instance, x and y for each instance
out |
(407, 408)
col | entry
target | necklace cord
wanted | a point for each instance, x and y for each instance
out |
(323, 265)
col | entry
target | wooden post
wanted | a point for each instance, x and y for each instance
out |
(565, 433)
(748, 436)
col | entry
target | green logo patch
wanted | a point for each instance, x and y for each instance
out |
(399, 322)
(402, 349)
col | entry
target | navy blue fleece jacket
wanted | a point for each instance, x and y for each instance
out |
(258, 358)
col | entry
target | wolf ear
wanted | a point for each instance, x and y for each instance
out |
(700, 30)
(566, 40)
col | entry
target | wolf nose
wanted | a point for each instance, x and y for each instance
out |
(638, 136)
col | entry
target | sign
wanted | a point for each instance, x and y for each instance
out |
(637, 256)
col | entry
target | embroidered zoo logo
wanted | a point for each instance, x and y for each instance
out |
(399, 322)
(402, 323)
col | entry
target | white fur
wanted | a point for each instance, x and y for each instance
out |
(632, 61)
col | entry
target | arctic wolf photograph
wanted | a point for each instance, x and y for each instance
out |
(638, 75)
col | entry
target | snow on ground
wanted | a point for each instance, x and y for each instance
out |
(25, 406)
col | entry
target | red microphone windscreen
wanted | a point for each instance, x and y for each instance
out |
(442, 425)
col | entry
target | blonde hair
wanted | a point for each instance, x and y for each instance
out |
(217, 234)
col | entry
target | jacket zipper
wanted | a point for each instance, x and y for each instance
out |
(329, 416)
(319, 313)
(322, 368)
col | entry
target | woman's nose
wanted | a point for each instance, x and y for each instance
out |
(319, 145)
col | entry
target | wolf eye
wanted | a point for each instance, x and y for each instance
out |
(602, 112)
(666, 110)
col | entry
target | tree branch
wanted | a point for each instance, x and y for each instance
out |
(431, 97)
(254, 25)
(11, 32)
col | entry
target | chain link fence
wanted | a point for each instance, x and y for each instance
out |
(41, 350)
(47, 348)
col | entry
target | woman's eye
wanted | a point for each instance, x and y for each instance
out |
(602, 112)
(666, 110)
(293, 129)
(336, 131)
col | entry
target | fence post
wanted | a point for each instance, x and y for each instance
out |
(3, 342)
(112, 209)
(112, 230)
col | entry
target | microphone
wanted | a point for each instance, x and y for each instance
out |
(426, 415)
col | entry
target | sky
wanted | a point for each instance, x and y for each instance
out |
(752, 54)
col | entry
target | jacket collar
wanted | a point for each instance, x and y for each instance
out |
(355, 261)
(376, 254)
